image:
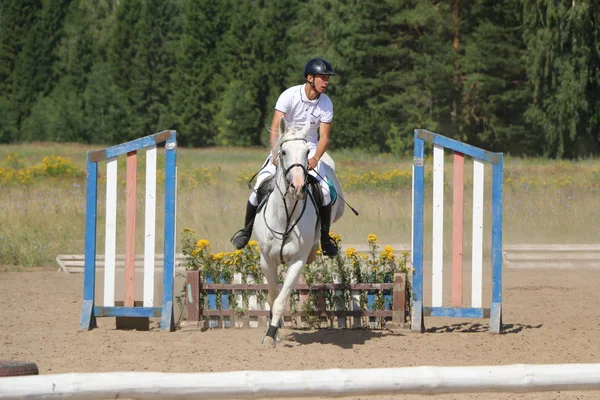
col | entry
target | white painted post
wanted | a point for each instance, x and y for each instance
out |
(150, 227)
(438, 227)
(110, 235)
(477, 246)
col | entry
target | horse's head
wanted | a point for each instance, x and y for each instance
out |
(293, 158)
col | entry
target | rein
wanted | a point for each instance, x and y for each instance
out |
(289, 225)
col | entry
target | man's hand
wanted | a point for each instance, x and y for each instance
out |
(312, 163)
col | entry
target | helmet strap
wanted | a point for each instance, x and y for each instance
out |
(312, 84)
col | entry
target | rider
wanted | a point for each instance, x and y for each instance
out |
(301, 105)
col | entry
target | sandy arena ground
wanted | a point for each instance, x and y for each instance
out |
(550, 316)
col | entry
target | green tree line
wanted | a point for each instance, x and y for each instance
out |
(518, 76)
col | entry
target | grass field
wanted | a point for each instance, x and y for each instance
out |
(43, 199)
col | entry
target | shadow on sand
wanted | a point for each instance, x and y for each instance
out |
(344, 338)
(467, 327)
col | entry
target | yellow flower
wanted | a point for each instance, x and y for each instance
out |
(253, 243)
(202, 244)
(350, 252)
(218, 256)
(335, 236)
(372, 238)
(387, 254)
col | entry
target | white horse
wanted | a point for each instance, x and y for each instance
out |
(287, 227)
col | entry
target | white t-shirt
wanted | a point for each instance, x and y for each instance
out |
(299, 110)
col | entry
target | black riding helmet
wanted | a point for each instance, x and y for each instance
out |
(318, 66)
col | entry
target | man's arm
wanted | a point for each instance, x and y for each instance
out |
(277, 115)
(324, 131)
(274, 133)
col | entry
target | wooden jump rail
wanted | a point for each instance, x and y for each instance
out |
(74, 263)
(564, 256)
(196, 310)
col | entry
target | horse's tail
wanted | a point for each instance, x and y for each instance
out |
(329, 173)
(326, 158)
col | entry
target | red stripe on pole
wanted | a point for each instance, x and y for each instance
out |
(457, 230)
(130, 206)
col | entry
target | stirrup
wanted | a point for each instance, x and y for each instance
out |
(328, 247)
(241, 239)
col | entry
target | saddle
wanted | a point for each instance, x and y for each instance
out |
(266, 188)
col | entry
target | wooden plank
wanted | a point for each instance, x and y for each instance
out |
(150, 226)
(558, 265)
(399, 299)
(341, 322)
(100, 257)
(438, 227)
(299, 286)
(412, 217)
(551, 247)
(75, 263)
(326, 314)
(193, 297)
(130, 206)
(77, 270)
(110, 232)
(477, 238)
(118, 263)
(364, 248)
(551, 256)
(458, 190)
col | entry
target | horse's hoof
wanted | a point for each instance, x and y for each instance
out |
(269, 341)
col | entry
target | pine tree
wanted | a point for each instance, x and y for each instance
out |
(199, 71)
(17, 32)
(66, 114)
(493, 78)
(272, 52)
(559, 71)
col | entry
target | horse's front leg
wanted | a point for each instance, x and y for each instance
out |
(293, 273)
(269, 270)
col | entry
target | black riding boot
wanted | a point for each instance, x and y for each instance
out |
(328, 246)
(241, 237)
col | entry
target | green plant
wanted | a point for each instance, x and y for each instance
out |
(349, 267)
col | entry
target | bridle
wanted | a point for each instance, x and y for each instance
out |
(288, 169)
(289, 224)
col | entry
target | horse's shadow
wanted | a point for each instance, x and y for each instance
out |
(344, 338)
(467, 327)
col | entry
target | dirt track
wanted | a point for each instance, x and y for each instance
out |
(550, 316)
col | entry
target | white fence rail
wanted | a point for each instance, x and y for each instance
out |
(314, 383)
(551, 256)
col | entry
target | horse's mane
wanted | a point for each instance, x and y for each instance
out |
(289, 132)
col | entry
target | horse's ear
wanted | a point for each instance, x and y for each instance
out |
(282, 126)
(304, 130)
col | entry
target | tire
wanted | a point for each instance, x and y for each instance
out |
(17, 368)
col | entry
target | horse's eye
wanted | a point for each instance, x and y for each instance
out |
(307, 151)
(283, 152)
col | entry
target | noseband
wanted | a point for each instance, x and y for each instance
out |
(289, 225)
(288, 169)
